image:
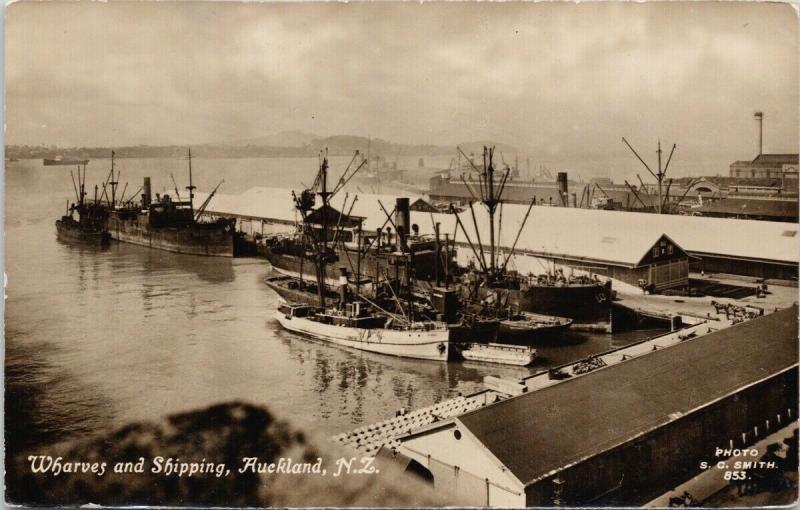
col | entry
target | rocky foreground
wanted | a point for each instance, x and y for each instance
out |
(206, 458)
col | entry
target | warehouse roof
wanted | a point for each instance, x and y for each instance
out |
(613, 236)
(538, 433)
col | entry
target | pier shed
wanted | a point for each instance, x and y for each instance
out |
(624, 433)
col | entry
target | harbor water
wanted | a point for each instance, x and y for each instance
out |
(99, 337)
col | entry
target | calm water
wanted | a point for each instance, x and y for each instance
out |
(98, 337)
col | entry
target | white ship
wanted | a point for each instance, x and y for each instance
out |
(357, 328)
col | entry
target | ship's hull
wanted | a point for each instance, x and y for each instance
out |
(71, 231)
(588, 305)
(417, 344)
(372, 265)
(191, 240)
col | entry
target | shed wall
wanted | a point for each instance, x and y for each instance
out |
(654, 463)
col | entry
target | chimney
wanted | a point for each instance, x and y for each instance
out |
(563, 190)
(759, 116)
(343, 285)
(402, 221)
(146, 193)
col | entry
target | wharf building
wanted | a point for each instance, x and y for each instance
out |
(779, 166)
(622, 434)
(607, 243)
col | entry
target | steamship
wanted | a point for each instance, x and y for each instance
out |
(587, 302)
(90, 226)
(369, 254)
(355, 321)
(172, 225)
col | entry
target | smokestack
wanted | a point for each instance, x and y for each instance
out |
(563, 190)
(759, 116)
(402, 221)
(343, 285)
(146, 193)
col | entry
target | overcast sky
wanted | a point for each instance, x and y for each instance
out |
(555, 79)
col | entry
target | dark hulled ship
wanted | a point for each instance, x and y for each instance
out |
(375, 253)
(585, 300)
(90, 225)
(172, 224)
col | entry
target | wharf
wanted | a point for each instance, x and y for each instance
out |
(693, 310)
(369, 438)
(699, 319)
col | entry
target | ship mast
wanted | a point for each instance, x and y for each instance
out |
(114, 181)
(324, 194)
(659, 176)
(305, 203)
(191, 187)
(491, 196)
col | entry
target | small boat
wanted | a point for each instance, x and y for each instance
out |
(525, 326)
(474, 328)
(293, 289)
(519, 355)
(58, 160)
(357, 327)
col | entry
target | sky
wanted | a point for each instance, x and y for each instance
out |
(561, 81)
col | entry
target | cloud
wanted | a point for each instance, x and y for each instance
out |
(564, 81)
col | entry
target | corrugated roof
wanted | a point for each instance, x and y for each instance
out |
(551, 428)
(779, 159)
(613, 236)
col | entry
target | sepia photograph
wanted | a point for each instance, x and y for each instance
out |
(401, 254)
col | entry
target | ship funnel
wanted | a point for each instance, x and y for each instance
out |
(402, 221)
(563, 190)
(146, 193)
(343, 285)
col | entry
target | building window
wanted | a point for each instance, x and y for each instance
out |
(669, 249)
(655, 251)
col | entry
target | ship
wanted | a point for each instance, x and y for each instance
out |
(59, 161)
(524, 326)
(355, 321)
(171, 224)
(358, 328)
(90, 225)
(364, 253)
(584, 300)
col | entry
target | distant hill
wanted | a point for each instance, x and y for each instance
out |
(284, 144)
(282, 139)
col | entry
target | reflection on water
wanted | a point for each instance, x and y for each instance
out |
(98, 337)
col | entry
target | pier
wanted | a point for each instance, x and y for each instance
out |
(653, 411)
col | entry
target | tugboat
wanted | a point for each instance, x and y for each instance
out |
(355, 321)
(89, 228)
(587, 302)
(173, 225)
